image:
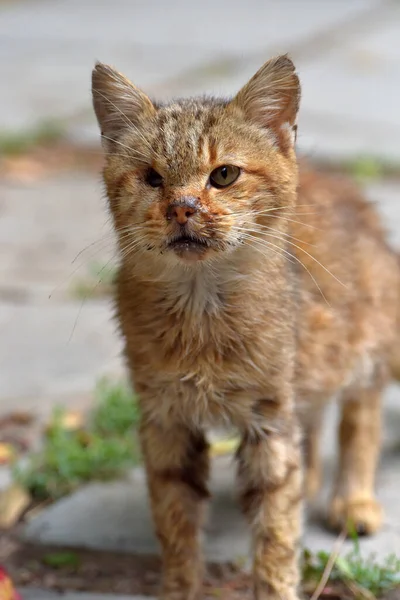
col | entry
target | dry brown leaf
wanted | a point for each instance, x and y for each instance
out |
(7, 453)
(23, 169)
(18, 418)
(70, 420)
(13, 501)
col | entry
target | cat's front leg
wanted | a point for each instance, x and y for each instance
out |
(177, 468)
(270, 484)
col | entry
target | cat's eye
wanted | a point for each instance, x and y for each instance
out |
(224, 176)
(153, 178)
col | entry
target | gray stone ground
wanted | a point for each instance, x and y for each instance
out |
(53, 349)
(348, 55)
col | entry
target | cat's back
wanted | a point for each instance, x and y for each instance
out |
(349, 283)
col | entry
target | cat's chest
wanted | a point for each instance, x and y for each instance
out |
(191, 340)
(202, 344)
(183, 321)
(209, 354)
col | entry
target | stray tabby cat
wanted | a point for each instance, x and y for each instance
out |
(242, 301)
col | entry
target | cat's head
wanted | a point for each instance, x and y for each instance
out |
(194, 180)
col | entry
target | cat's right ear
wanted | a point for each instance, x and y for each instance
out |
(118, 104)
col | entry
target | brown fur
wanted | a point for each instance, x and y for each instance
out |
(290, 300)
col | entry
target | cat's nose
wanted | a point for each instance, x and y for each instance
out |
(181, 210)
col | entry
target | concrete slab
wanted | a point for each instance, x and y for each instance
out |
(350, 93)
(51, 231)
(54, 350)
(63, 343)
(348, 56)
(50, 48)
(182, 24)
(117, 517)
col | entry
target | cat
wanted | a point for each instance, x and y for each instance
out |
(248, 295)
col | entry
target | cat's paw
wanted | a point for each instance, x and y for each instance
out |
(364, 515)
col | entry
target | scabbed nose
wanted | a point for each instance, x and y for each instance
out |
(181, 210)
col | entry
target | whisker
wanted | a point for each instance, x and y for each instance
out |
(105, 153)
(136, 153)
(295, 221)
(318, 263)
(312, 258)
(255, 241)
(84, 300)
(126, 118)
(110, 237)
(102, 240)
(267, 210)
(287, 235)
(267, 243)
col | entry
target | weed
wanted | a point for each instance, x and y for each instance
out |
(366, 168)
(14, 143)
(104, 449)
(115, 413)
(365, 576)
(57, 560)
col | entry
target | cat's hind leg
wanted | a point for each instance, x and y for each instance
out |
(312, 430)
(353, 503)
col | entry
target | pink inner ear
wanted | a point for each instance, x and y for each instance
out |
(271, 98)
(285, 135)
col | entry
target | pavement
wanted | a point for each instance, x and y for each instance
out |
(54, 345)
(348, 56)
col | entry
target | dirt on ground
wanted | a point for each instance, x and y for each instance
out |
(105, 572)
(77, 570)
(49, 159)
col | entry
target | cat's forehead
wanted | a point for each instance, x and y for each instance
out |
(200, 113)
(187, 130)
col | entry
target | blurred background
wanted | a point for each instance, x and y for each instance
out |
(56, 247)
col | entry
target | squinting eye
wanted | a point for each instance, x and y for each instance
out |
(224, 176)
(153, 178)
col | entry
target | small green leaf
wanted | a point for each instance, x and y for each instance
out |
(344, 567)
(57, 560)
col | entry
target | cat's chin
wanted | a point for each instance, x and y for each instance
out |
(190, 254)
(189, 250)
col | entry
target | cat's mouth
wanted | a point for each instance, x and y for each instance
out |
(188, 246)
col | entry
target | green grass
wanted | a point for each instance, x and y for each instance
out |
(365, 576)
(58, 560)
(103, 449)
(366, 168)
(98, 282)
(18, 142)
(117, 410)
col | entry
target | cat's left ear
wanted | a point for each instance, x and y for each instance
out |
(271, 99)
